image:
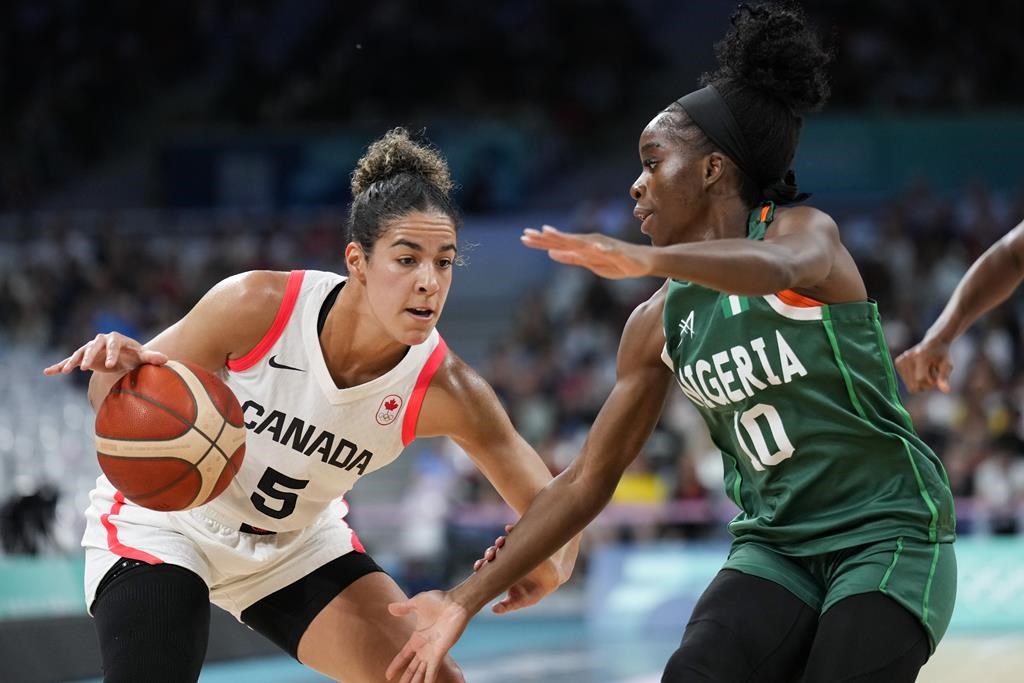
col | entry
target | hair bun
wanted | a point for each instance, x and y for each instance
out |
(771, 48)
(396, 153)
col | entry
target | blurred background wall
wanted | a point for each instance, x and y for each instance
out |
(148, 150)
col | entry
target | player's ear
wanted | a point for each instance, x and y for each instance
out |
(355, 260)
(713, 167)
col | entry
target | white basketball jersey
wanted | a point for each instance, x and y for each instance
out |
(307, 441)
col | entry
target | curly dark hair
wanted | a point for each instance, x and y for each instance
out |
(771, 50)
(771, 69)
(396, 176)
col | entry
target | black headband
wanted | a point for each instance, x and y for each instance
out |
(712, 115)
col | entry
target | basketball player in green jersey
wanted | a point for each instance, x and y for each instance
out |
(842, 564)
(988, 283)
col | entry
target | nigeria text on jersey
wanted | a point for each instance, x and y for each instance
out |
(710, 383)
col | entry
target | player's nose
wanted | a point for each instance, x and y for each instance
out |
(428, 282)
(637, 189)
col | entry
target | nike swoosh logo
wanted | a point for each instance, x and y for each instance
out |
(280, 366)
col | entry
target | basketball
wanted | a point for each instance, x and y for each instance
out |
(170, 437)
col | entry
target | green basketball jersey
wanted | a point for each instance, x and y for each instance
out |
(819, 452)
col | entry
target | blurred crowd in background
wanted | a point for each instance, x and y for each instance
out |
(96, 84)
(94, 80)
(552, 354)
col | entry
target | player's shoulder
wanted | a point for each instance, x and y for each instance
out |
(1015, 237)
(457, 378)
(644, 333)
(246, 303)
(650, 311)
(792, 219)
(254, 286)
(459, 401)
(462, 386)
(251, 292)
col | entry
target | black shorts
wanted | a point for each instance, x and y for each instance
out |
(284, 616)
(746, 628)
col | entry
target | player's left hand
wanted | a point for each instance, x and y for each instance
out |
(533, 587)
(605, 256)
(926, 366)
(439, 623)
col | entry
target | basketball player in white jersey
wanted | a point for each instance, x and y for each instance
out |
(335, 376)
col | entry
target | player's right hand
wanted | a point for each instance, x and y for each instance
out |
(926, 366)
(108, 352)
(439, 623)
(603, 255)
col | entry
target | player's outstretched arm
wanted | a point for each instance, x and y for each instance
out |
(800, 253)
(564, 507)
(988, 283)
(227, 322)
(460, 404)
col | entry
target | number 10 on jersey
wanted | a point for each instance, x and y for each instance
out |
(751, 421)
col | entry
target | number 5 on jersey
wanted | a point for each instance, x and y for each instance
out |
(755, 434)
(276, 484)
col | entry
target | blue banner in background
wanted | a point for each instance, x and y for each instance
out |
(990, 590)
(33, 587)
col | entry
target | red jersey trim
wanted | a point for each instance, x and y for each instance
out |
(114, 544)
(291, 295)
(412, 410)
(357, 545)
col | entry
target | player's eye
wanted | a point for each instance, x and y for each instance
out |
(650, 164)
(445, 263)
(407, 260)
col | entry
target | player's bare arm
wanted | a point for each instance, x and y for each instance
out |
(579, 493)
(567, 504)
(460, 404)
(226, 323)
(802, 251)
(988, 283)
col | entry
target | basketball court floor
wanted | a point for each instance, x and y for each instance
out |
(559, 650)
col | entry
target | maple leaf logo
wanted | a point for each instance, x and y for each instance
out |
(388, 410)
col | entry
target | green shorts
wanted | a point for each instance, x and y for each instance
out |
(919, 575)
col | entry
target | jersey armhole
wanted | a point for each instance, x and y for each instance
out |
(284, 313)
(667, 359)
(412, 411)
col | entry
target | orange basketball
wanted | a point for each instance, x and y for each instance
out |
(170, 437)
